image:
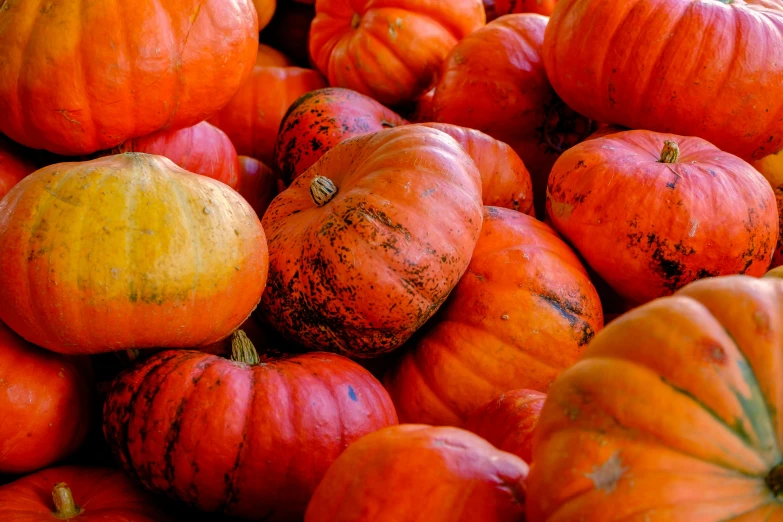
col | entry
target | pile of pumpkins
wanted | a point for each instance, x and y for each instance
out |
(403, 261)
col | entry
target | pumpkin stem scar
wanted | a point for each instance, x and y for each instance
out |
(670, 152)
(65, 112)
(607, 475)
(322, 190)
(64, 505)
(356, 20)
(775, 480)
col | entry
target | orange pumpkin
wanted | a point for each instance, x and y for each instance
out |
(388, 50)
(772, 168)
(271, 57)
(13, 165)
(366, 245)
(258, 184)
(522, 313)
(81, 77)
(127, 251)
(543, 7)
(671, 415)
(265, 10)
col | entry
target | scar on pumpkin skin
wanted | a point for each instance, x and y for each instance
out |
(607, 475)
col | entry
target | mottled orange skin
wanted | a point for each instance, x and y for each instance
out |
(494, 81)
(362, 273)
(258, 184)
(771, 167)
(127, 251)
(689, 68)
(321, 119)
(78, 76)
(104, 494)
(252, 441)
(505, 182)
(672, 414)
(252, 117)
(389, 50)
(271, 57)
(508, 421)
(417, 473)
(45, 403)
(203, 149)
(648, 228)
(542, 7)
(13, 165)
(521, 314)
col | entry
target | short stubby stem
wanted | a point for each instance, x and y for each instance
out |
(670, 152)
(322, 190)
(64, 506)
(356, 19)
(775, 480)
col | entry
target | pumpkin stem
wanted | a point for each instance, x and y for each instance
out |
(670, 152)
(242, 349)
(322, 190)
(64, 505)
(356, 19)
(775, 480)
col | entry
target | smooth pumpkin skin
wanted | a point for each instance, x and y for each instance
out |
(104, 494)
(46, 404)
(508, 421)
(79, 76)
(252, 117)
(265, 10)
(771, 167)
(505, 182)
(363, 272)
(522, 313)
(697, 70)
(203, 149)
(494, 81)
(13, 165)
(389, 50)
(270, 57)
(670, 415)
(252, 441)
(708, 214)
(446, 474)
(258, 185)
(321, 119)
(542, 7)
(127, 251)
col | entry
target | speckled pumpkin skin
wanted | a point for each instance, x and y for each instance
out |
(252, 441)
(360, 274)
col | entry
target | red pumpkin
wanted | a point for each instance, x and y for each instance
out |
(417, 473)
(522, 313)
(45, 401)
(494, 81)
(321, 119)
(685, 79)
(391, 50)
(649, 222)
(13, 165)
(271, 57)
(366, 245)
(243, 437)
(771, 167)
(258, 185)
(252, 117)
(289, 29)
(202, 149)
(127, 251)
(543, 7)
(79, 494)
(78, 78)
(508, 421)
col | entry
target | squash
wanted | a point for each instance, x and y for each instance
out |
(365, 246)
(671, 414)
(83, 77)
(651, 212)
(522, 313)
(265, 10)
(391, 50)
(14, 165)
(127, 251)
(258, 184)
(271, 57)
(447, 475)
(696, 67)
(251, 436)
(543, 7)
(771, 167)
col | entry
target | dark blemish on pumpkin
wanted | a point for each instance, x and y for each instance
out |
(704, 273)
(581, 164)
(571, 309)
(352, 394)
(315, 145)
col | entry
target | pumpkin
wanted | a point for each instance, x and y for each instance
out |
(45, 404)
(771, 167)
(127, 251)
(258, 185)
(78, 78)
(522, 313)
(671, 414)
(422, 108)
(508, 421)
(494, 81)
(686, 80)
(321, 119)
(80, 494)
(251, 436)
(202, 148)
(543, 7)
(289, 29)
(391, 50)
(14, 165)
(252, 117)
(271, 57)
(365, 246)
(651, 212)
(446, 474)
(265, 10)
(505, 180)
